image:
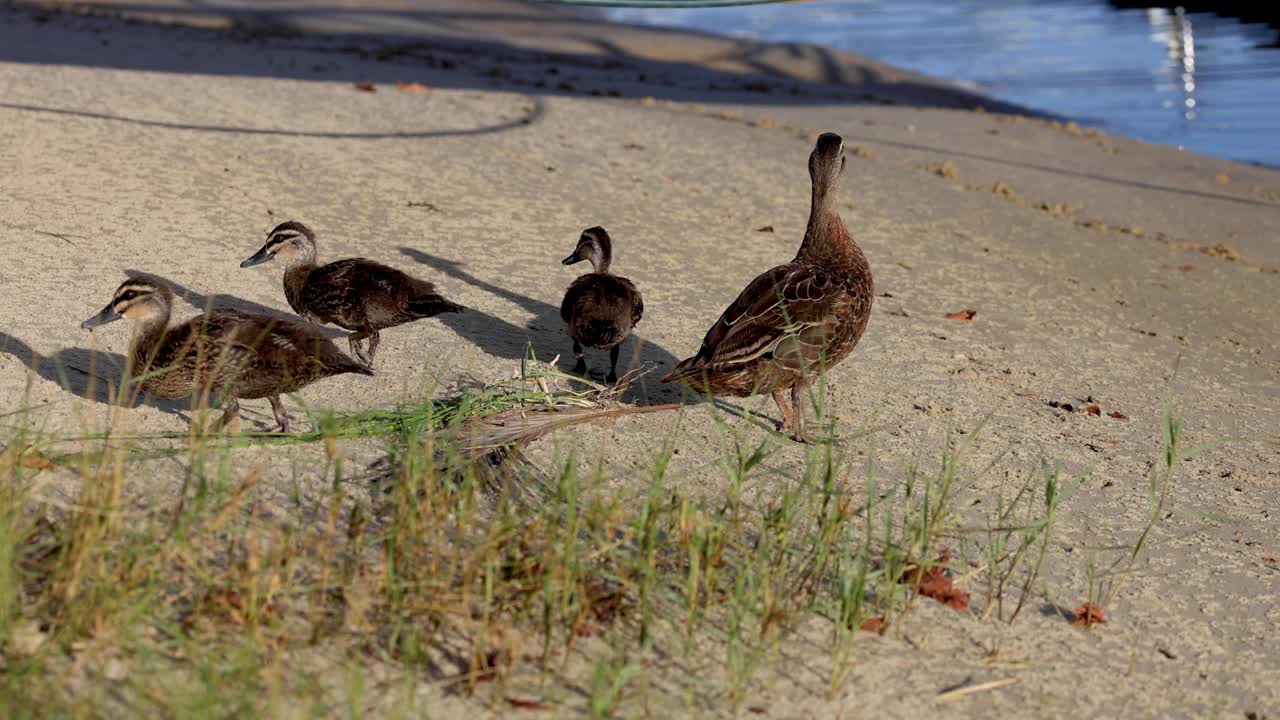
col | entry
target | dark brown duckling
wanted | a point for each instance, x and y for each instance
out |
(233, 354)
(795, 320)
(600, 308)
(355, 294)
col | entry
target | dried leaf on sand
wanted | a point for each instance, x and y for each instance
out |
(1088, 614)
(934, 582)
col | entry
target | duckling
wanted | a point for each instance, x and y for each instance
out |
(234, 354)
(355, 294)
(795, 320)
(600, 308)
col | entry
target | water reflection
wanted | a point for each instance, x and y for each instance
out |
(1174, 30)
(1178, 76)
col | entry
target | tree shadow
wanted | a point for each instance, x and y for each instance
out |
(552, 52)
(91, 374)
(545, 334)
(454, 47)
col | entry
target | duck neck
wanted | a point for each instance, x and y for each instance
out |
(600, 263)
(148, 333)
(601, 257)
(295, 277)
(826, 237)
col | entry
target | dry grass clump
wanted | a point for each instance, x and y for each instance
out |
(470, 574)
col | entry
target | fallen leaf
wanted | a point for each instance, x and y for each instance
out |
(364, 87)
(413, 87)
(962, 316)
(31, 459)
(873, 625)
(1268, 560)
(1093, 409)
(1117, 415)
(527, 704)
(1088, 614)
(936, 583)
(758, 710)
(766, 228)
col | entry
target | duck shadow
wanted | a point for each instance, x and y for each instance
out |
(205, 302)
(91, 374)
(545, 334)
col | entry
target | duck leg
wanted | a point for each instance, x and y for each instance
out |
(230, 417)
(581, 367)
(797, 405)
(277, 409)
(780, 397)
(354, 341)
(613, 365)
(373, 345)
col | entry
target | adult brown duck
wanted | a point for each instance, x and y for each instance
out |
(599, 308)
(355, 294)
(796, 320)
(224, 352)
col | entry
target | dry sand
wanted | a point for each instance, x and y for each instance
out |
(1100, 267)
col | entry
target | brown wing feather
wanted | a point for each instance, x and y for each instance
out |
(795, 302)
(356, 293)
(249, 355)
(637, 301)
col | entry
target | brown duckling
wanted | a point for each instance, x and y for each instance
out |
(356, 294)
(600, 308)
(795, 320)
(233, 354)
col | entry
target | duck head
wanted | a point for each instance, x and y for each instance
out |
(138, 299)
(595, 247)
(826, 162)
(290, 241)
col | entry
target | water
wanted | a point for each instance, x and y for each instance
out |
(1195, 80)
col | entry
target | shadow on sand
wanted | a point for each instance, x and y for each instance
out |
(91, 374)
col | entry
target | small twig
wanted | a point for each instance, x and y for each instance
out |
(957, 693)
(62, 237)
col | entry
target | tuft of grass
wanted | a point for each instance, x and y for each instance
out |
(474, 572)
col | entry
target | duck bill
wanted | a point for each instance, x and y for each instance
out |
(571, 259)
(258, 258)
(106, 315)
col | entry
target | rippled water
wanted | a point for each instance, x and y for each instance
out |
(1195, 80)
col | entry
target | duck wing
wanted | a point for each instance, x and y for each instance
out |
(594, 296)
(789, 312)
(260, 354)
(343, 289)
(637, 302)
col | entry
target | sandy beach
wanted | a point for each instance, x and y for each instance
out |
(168, 137)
